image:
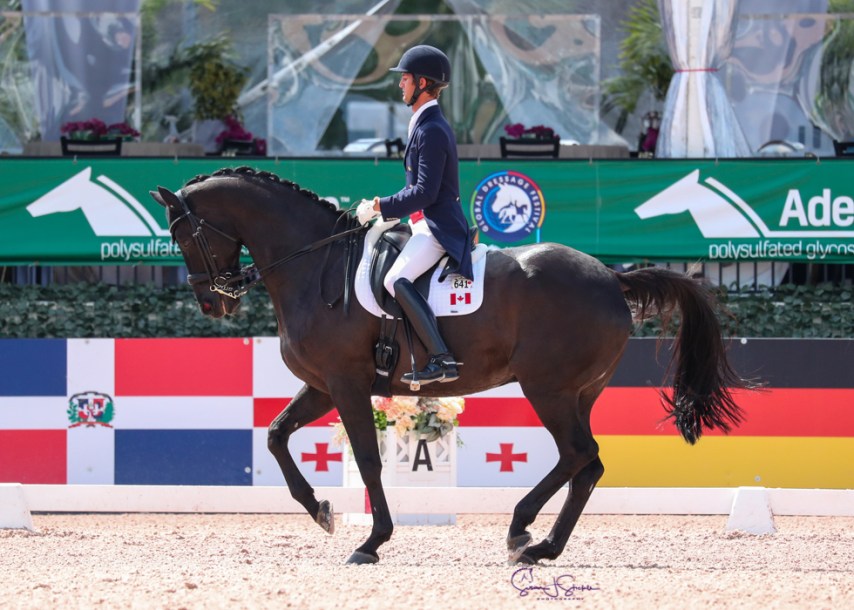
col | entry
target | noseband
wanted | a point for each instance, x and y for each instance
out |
(234, 282)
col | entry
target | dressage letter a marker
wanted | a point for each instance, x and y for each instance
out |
(422, 445)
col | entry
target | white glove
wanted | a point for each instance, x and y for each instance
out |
(365, 212)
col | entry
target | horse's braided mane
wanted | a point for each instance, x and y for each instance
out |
(248, 172)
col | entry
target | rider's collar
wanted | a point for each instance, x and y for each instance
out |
(413, 121)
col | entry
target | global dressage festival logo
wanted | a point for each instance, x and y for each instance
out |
(508, 206)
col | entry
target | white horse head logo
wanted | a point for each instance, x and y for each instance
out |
(715, 215)
(512, 206)
(110, 210)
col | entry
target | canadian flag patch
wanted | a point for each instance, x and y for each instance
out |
(462, 299)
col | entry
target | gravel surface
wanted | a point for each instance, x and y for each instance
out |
(285, 561)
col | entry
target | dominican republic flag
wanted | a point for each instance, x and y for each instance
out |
(196, 412)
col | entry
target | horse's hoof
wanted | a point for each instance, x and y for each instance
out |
(325, 517)
(362, 558)
(523, 559)
(516, 546)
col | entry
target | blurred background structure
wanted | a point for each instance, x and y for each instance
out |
(310, 78)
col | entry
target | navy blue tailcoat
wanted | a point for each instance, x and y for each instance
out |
(433, 186)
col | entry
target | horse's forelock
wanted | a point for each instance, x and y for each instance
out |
(248, 172)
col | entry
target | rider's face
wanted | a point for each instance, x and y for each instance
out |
(407, 86)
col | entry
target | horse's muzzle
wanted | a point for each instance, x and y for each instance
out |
(216, 306)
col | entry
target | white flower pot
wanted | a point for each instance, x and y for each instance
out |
(409, 461)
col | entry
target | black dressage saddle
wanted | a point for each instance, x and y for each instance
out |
(386, 251)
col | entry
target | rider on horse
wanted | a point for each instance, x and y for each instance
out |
(431, 199)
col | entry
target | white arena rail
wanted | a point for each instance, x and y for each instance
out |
(431, 500)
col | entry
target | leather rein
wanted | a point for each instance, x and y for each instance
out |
(235, 282)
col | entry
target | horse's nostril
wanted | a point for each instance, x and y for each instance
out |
(207, 307)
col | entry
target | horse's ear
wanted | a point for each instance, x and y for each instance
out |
(165, 197)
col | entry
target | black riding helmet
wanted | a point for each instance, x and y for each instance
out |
(428, 62)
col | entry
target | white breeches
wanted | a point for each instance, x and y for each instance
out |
(421, 252)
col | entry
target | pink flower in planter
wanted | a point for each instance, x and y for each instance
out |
(96, 126)
(515, 130)
(96, 129)
(540, 132)
(233, 131)
(122, 130)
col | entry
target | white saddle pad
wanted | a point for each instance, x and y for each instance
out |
(456, 296)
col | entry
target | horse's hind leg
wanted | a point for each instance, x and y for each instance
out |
(580, 488)
(576, 449)
(308, 405)
(571, 431)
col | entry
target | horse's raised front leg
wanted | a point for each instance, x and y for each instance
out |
(358, 419)
(308, 405)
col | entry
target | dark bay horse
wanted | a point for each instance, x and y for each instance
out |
(553, 319)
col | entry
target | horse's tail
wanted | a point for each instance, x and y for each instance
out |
(702, 375)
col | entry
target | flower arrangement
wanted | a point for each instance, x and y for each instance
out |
(539, 132)
(430, 418)
(96, 129)
(234, 131)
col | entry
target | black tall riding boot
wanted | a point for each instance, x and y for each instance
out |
(441, 366)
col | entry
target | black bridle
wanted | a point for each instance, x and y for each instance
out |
(236, 281)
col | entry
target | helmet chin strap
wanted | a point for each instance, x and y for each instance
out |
(416, 93)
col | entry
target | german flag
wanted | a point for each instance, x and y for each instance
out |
(798, 432)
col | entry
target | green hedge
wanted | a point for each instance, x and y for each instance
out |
(825, 311)
(90, 311)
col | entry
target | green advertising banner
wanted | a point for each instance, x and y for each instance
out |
(62, 211)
